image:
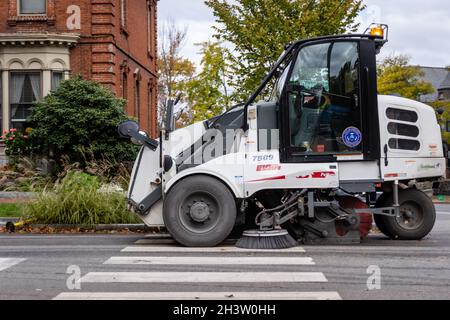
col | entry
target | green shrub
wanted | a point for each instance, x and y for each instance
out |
(77, 200)
(80, 115)
(79, 181)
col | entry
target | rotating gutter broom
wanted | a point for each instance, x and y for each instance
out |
(266, 239)
(270, 234)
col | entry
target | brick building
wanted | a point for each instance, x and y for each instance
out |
(45, 41)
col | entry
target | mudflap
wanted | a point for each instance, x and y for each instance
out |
(154, 218)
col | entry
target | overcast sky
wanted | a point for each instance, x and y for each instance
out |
(420, 29)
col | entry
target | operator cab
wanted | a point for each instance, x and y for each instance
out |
(326, 94)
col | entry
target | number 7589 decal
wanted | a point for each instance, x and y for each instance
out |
(261, 158)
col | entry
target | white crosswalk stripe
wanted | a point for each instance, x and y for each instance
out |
(6, 263)
(199, 296)
(202, 277)
(166, 254)
(211, 261)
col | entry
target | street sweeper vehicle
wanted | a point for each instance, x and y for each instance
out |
(315, 162)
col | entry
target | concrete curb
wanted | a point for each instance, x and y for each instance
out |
(100, 227)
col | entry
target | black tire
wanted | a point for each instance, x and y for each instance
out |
(417, 216)
(199, 211)
(381, 203)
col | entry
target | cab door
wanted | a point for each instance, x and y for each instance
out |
(329, 108)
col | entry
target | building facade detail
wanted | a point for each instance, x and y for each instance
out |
(43, 42)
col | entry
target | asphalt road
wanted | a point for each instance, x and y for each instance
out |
(117, 266)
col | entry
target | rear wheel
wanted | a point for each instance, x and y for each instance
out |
(199, 211)
(416, 219)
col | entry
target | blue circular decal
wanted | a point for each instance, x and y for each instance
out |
(352, 137)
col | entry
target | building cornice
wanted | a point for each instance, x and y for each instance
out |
(36, 39)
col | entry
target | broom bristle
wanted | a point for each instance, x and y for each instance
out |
(277, 239)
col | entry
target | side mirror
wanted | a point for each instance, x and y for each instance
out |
(169, 121)
(127, 128)
(440, 111)
(130, 130)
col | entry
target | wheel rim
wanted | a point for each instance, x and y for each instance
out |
(199, 212)
(411, 216)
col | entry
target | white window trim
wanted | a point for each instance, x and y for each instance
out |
(33, 58)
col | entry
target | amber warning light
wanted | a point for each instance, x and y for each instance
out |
(378, 30)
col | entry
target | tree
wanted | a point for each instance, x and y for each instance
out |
(208, 93)
(259, 30)
(80, 116)
(174, 71)
(395, 75)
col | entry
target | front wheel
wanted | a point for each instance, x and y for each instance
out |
(199, 211)
(416, 219)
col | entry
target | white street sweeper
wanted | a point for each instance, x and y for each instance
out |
(314, 162)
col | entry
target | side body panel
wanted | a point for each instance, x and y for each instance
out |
(146, 174)
(359, 170)
(410, 139)
(146, 178)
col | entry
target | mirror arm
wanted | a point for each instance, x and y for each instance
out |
(151, 143)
